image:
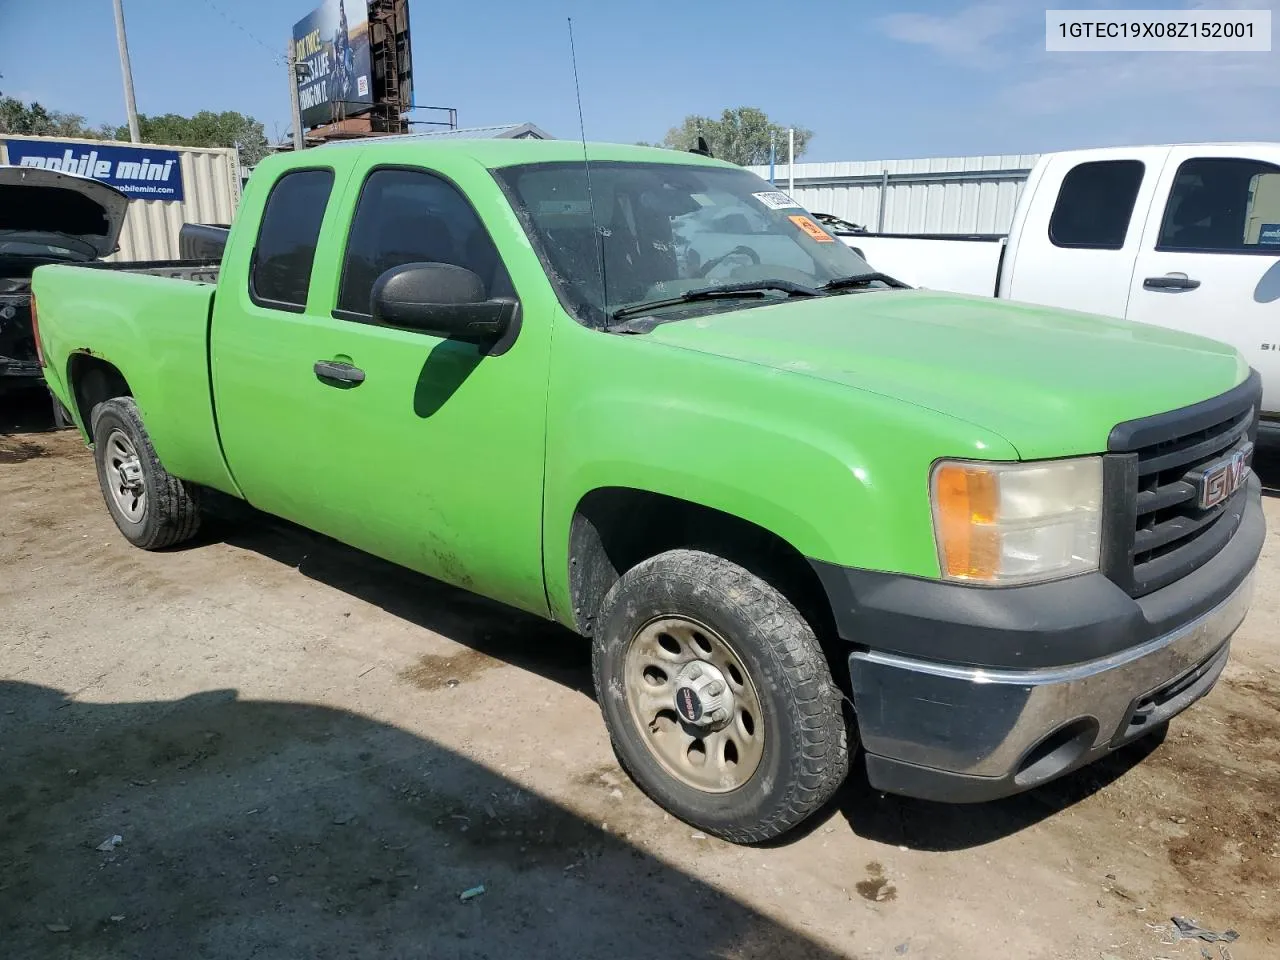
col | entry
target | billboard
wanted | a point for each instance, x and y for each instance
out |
(139, 172)
(333, 42)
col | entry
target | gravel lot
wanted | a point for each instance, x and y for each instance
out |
(309, 753)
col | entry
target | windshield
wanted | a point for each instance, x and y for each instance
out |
(666, 229)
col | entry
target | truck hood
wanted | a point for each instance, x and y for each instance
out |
(1051, 382)
(45, 205)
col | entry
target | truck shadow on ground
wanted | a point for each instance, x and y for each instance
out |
(497, 631)
(937, 827)
(255, 828)
(550, 650)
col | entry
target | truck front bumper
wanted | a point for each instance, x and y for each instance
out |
(966, 694)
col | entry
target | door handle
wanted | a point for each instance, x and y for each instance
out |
(334, 373)
(1170, 281)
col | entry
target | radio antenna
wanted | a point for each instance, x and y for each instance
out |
(586, 165)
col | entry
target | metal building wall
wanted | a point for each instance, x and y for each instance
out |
(938, 195)
(211, 191)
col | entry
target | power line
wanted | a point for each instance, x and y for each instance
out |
(245, 30)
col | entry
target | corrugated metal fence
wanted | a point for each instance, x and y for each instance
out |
(211, 188)
(938, 195)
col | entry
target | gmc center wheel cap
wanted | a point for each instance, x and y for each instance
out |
(702, 696)
(694, 704)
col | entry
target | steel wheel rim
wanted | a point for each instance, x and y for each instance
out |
(124, 476)
(716, 759)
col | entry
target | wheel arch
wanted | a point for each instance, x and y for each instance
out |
(615, 528)
(93, 379)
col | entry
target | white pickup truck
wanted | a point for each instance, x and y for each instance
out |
(1184, 236)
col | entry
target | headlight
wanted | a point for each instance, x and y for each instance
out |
(1003, 523)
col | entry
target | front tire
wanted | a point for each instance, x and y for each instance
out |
(152, 508)
(717, 696)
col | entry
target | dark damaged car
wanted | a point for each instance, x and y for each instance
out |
(46, 216)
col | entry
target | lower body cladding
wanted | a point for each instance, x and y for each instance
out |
(967, 694)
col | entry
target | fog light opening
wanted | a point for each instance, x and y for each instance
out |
(1057, 752)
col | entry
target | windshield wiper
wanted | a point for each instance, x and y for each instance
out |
(862, 280)
(724, 291)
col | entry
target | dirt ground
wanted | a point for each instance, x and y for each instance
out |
(309, 753)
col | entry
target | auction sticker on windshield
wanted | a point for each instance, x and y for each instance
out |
(812, 229)
(775, 200)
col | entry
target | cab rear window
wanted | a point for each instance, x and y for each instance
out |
(280, 273)
(1095, 204)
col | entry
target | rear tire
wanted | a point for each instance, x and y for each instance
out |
(152, 508)
(691, 620)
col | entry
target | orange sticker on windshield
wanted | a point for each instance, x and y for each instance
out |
(812, 229)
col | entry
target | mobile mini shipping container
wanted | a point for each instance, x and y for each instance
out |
(167, 185)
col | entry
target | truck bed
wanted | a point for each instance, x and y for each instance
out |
(149, 321)
(958, 263)
(197, 271)
(18, 363)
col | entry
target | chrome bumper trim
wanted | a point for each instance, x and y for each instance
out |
(998, 715)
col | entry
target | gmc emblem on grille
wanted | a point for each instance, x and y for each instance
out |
(1220, 480)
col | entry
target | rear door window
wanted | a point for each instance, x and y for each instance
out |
(1223, 205)
(1095, 204)
(280, 272)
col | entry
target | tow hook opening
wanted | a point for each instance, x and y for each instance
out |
(1057, 752)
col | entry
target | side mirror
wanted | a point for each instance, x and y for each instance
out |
(439, 299)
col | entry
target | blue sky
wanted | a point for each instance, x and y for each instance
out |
(873, 79)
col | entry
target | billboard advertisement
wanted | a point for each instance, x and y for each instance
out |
(139, 172)
(333, 43)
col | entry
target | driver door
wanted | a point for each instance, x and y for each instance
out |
(422, 450)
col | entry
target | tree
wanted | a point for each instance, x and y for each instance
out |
(33, 119)
(205, 129)
(741, 136)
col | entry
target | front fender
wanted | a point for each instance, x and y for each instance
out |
(840, 474)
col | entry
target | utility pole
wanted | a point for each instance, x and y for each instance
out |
(299, 141)
(130, 107)
(791, 161)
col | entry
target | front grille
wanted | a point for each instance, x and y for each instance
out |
(1157, 531)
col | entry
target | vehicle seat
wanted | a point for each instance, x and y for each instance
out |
(412, 238)
(1210, 219)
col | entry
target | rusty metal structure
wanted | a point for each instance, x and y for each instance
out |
(392, 80)
(392, 65)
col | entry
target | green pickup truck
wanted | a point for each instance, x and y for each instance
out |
(803, 513)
